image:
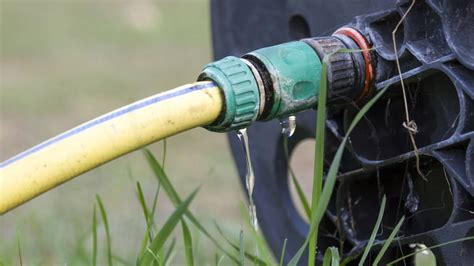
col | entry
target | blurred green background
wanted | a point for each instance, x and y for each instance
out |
(65, 62)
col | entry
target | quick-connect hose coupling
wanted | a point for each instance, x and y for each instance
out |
(281, 80)
(241, 93)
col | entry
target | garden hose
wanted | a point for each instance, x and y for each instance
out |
(270, 83)
(105, 138)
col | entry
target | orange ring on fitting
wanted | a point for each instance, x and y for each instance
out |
(365, 46)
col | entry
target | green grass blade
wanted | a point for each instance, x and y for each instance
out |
(148, 215)
(141, 199)
(143, 246)
(364, 110)
(188, 243)
(162, 178)
(152, 221)
(431, 248)
(155, 258)
(146, 212)
(176, 200)
(331, 177)
(374, 232)
(163, 161)
(218, 260)
(318, 158)
(347, 260)
(261, 244)
(94, 237)
(221, 259)
(331, 257)
(283, 251)
(169, 262)
(155, 201)
(151, 214)
(388, 241)
(169, 254)
(107, 231)
(236, 247)
(241, 248)
(301, 196)
(327, 192)
(166, 230)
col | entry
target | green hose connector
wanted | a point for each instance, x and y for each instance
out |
(295, 72)
(241, 93)
(272, 82)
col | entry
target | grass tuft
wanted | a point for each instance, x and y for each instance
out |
(331, 178)
(319, 153)
(236, 247)
(175, 199)
(161, 237)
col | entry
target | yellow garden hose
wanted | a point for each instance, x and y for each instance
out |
(105, 138)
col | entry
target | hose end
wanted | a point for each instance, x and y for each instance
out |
(240, 90)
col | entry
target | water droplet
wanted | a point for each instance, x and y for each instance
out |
(288, 125)
(249, 177)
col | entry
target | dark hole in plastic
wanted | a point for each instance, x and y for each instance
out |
(423, 32)
(298, 28)
(433, 104)
(426, 205)
(458, 23)
(381, 34)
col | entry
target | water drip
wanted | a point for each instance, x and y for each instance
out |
(249, 177)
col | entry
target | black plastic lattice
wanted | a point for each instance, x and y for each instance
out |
(436, 54)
